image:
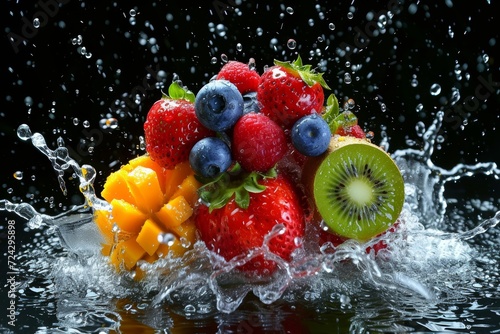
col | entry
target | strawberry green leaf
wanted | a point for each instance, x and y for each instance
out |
(308, 75)
(332, 108)
(218, 192)
(177, 92)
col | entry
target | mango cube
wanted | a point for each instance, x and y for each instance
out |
(148, 237)
(145, 189)
(175, 212)
(127, 253)
(127, 216)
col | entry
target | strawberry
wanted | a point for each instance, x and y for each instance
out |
(233, 229)
(325, 236)
(287, 91)
(343, 123)
(354, 131)
(240, 74)
(172, 128)
(258, 142)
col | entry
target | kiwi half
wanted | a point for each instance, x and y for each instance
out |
(358, 189)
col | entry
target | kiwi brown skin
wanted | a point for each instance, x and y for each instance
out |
(312, 164)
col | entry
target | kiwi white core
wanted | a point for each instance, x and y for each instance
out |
(360, 192)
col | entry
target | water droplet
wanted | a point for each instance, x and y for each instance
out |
(18, 175)
(259, 31)
(224, 57)
(486, 58)
(166, 238)
(289, 10)
(435, 89)
(86, 124)
(24, 132)
(36, 23)
(383, 107)
(331, 26)
(414, 81)
(76, 121)
(132, 12)
(350, 15)
(239, 47)
(347, 78)
(292, 44)
(420, 128)
(419, 107)
(213, 60)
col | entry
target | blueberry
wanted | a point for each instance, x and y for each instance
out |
(250, 103)
(210, 157)
(218, 105)
(311, 135)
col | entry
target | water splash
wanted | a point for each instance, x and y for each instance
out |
(417, 263)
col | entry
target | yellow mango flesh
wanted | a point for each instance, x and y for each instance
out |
(146, 201)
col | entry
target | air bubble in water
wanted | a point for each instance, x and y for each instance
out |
(36, 23)
(435, 89)
(18, 175)
(347, 78)
(292, 44)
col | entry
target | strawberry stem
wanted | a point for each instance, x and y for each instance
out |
(216, 193)
(308, 75)
(177, 92)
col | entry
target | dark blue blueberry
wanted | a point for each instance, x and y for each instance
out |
(311, 135)
(250, 103)
(210, 157)
(218, 105)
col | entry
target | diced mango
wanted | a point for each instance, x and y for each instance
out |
(145, 188)
(116, 187)
(188, 189)
(175, 212)
(127, 216)
(127, 253)
(175, 178)
(185, 238)
(146, 161)
(148, 237)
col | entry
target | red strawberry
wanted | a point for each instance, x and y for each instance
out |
(354, 131)
(172, 128)
(258, 142)
(240, 74)
(325, 236)
(231, 230)
(288, 91)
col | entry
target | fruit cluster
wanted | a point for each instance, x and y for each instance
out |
(266, 151)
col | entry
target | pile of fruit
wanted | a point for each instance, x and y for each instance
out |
(249, 152)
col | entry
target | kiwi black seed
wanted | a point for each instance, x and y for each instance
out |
(358, 189)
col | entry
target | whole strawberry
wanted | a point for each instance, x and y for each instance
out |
(258, 142)
(240, 74)
(172, 128)
(232, 230)
(288, 91)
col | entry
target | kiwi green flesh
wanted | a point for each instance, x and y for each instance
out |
(359, 191)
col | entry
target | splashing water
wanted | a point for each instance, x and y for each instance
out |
(423, 265)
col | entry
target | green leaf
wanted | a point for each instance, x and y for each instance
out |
(332, 109)
(216, 193)
(308, 75)
(177, 92)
